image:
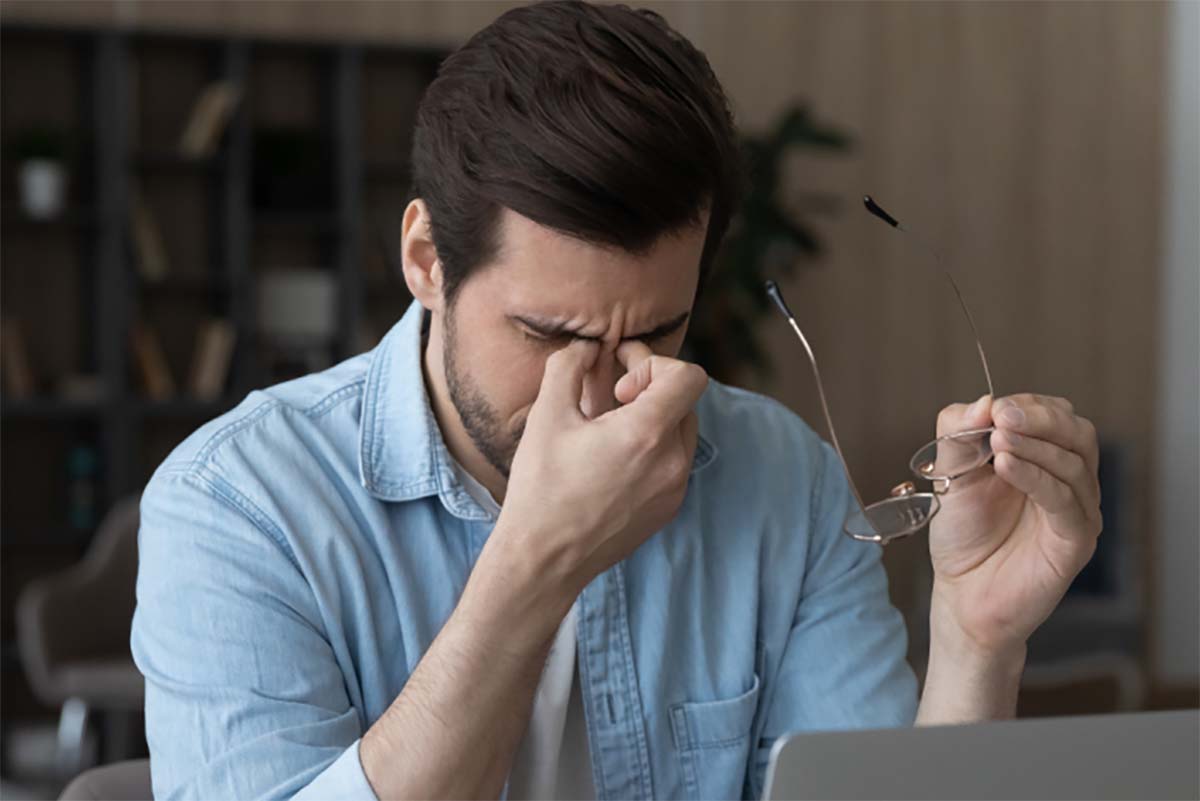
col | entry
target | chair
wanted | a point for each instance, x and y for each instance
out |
(120, 781)
(73, 637)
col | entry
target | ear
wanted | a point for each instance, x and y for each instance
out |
(418, 254)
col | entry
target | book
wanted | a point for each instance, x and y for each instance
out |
(14, 360)
(210, 115)
(147, 238)
(210, 363)
(152, 363)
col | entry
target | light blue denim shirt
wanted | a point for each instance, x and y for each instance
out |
(299, 554)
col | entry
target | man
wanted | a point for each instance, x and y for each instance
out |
(519, 548)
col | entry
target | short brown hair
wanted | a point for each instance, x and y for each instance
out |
(598, 121)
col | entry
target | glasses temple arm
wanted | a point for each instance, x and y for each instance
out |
(962, 303)
(777, 297)
(878, 211)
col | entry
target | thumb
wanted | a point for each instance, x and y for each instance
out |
(962, 417)
(636, 358)
(562, 381)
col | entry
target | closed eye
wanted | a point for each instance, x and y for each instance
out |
(545, 339)
(551, 333)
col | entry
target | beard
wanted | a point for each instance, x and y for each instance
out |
(479, 418)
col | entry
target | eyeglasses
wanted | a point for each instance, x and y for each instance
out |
(940, 462)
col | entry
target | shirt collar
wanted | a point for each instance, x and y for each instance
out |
(402, 455)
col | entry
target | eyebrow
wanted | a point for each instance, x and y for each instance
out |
(549, 327)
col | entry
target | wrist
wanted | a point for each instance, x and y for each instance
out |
(513, 588)
(965, 680)
(951, 642)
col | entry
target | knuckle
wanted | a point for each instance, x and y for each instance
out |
(634, 439)
(696, 373)
(1062, 494)
(1074, 463)
(676, 467)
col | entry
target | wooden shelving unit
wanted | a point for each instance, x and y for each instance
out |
(73, 283)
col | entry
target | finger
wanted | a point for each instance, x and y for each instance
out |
(1067, 466)
(562, 380)
(1047, 400)
(669, 390)
(1049, 420)
(964, 417)
(689, 431)
(635, 357)
(1067, 517)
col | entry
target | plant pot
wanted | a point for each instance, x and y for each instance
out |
(43, 184)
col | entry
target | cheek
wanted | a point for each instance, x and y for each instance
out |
(513, 373)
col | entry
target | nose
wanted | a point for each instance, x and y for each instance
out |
(599, 383)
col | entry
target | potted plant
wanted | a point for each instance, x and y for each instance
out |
(765, 240)
(42, 172)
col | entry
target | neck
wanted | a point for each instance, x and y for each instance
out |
(454, 433)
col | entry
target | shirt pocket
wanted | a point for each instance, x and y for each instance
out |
(712, 739)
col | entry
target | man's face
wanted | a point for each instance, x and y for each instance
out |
(542, 291)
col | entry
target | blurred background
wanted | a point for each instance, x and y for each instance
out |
(202, 198)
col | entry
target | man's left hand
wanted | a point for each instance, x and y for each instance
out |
(1012, 535)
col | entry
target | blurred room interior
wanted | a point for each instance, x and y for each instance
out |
(203, 198)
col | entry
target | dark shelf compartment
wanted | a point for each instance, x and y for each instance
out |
(169, 161)
(50, 408)
(10, 657)
(378, 283)
(48, 537)
(181, 407)
(388, 170)
(14, 220)
(318, 222)
(188, 283)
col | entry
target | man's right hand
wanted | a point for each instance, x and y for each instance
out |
(584, 494)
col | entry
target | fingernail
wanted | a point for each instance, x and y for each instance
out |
(1012, 415)
(1013, 437)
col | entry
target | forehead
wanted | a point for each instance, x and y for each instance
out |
(558, 274)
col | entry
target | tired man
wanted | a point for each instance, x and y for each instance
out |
(521, 549)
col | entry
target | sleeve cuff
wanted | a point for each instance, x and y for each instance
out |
(343, 780)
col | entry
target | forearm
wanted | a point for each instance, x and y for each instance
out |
(964, 683)
(454, 729)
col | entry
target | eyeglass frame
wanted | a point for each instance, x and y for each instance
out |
(923, 469)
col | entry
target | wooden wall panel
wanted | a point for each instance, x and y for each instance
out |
(1023, 139)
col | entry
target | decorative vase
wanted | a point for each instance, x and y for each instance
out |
(43, 185)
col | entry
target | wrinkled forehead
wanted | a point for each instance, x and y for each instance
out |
(544, 273)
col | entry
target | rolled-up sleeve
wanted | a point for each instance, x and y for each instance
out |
(845, 662)
(244, 696)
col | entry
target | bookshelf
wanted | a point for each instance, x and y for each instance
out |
(76, 283)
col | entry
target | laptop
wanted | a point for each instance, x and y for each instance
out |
(1141, 755)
